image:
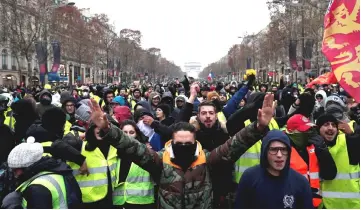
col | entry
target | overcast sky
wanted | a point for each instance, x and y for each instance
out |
(185, 30)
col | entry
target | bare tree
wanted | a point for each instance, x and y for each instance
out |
(24, 23)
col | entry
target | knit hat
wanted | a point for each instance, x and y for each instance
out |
(53, 119)
(165, 108)
(212, 94)
(82, 113)
(336, 99)
(140, 113)
(119, 100)
(321, 120)
(25, 154)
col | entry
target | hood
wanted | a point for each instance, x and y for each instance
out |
(182, 97)
(167, 94)
(40, 133)
(275, 135)
(144, 104)
(151, 96)
(324, 96)
(46, 164)
(45, 91)
(122, 113)
(66, 100)
(286, 98)
(64, 95)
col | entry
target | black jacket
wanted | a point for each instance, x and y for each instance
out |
(59, 149)
(38, 196)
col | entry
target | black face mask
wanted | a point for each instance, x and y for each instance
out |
(45, 101)
(184, 154)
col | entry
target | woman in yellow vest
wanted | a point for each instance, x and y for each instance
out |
(135, 188)
(343, 192)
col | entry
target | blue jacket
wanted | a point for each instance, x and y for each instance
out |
(232, 104)
(259, 189)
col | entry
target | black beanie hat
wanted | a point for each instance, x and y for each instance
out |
(165, 108)
(53, 119)
(321, 120)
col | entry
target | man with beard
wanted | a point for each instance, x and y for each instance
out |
(183, 167)
(135, 98)
(210, 135)
(342, 192)
(108, 97)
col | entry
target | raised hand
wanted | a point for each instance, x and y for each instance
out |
(97, 116)
(266, 113)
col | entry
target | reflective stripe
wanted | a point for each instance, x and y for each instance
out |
(314, 175)
(62, 203)
(95, 170)
(251, 155)
(118, 192)
(132, 192)
(138, 179)
(93, 183)
(241, 169)
(354, 175)
(327, 194)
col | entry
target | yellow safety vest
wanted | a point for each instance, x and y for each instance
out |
(54, 183)
(221, 117)
(67, 127)
(95, 186)
(133, 103)
(9, 119)
(95, 97)
(343, 192)
(252, 156)
(138, 188)
(45, 145)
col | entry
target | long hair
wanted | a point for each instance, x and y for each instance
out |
(140, 136)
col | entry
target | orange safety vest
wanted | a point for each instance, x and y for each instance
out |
(311, 171)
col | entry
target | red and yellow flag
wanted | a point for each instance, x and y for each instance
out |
(341, 43)
(326, 78)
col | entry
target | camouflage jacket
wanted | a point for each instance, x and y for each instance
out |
(179, 189)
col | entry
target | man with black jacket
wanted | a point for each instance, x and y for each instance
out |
(45, 183)
(343, 142)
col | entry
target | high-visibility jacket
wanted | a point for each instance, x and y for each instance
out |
(310, 171)
(252, 156)
(132, 104)
(138, 188)
(67, 127)
(53, 182)
(46, 146)
(95, 186)
(95, 97)
(221, 117)
(9, 119)
(343, 192)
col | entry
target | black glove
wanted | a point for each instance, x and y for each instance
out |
(12, 201)
(318, 142)
(250, 81)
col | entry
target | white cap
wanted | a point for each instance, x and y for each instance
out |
(25, 154)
